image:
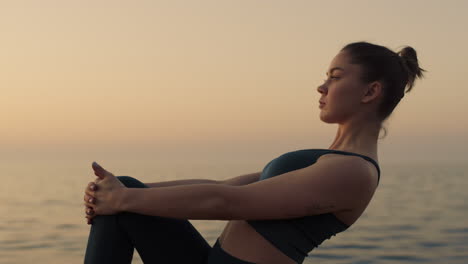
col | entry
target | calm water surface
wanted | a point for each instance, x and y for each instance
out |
(419, 213)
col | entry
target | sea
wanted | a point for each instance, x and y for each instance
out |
(419, 212)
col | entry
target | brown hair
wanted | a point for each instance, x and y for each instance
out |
(395, 70)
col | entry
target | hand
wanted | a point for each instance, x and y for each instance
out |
(90, 199)
(104, 195)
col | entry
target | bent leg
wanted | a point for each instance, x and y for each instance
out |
(157, 239)
(165, 240)
(107, 241)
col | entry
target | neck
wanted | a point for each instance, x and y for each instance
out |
(358, 136)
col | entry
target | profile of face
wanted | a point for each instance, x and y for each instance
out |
(343, 92)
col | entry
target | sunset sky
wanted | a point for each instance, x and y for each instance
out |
(217, 78)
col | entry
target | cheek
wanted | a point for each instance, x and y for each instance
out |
(342, 100)
(347, 94)
(338, 96)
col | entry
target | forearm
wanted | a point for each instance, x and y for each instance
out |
(200, 201)
(181, 182)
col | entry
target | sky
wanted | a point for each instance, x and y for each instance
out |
(216, 79)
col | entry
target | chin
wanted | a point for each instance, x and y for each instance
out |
(327, 118)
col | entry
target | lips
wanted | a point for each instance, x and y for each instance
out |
(321, 105)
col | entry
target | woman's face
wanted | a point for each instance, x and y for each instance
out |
(342, 91)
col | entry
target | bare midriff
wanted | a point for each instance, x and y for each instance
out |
(242, 241)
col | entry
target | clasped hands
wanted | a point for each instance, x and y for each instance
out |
(103, 196)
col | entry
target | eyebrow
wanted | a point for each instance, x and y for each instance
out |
(336, 68)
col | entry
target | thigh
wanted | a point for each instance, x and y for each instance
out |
(162, 239)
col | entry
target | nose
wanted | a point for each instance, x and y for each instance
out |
(321, 88)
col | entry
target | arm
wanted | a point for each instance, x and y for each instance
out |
(204, 201)
(235, 181)
(195, 201)
(327, 186)
(181, 182)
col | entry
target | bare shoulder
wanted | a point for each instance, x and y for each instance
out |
(350, 165)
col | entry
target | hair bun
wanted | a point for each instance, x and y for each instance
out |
(410, 63)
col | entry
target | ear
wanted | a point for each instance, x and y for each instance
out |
(372, 91)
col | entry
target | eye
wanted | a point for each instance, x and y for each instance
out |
(332, 77)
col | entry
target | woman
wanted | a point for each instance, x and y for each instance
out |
(321, 192)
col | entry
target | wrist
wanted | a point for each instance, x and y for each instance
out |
(123, 199)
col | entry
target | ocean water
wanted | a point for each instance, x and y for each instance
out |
(419, 213)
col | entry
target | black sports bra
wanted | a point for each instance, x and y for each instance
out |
(296, 237)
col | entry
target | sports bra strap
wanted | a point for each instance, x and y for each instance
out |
(356, 154)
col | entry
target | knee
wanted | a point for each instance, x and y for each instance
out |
(131, 182)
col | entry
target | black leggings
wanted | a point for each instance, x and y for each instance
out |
(160, 240)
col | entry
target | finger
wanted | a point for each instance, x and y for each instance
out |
(89, 199)
(88, 185)
(88, 204)
(91, 186)
(90, 193)
(89, 211)
(89, 219)
(100, 171)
